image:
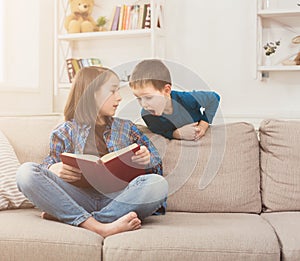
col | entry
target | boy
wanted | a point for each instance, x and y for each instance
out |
(172, 114)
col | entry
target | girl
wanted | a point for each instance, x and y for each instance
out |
(89, 127)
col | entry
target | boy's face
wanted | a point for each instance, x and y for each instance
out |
(151, 99)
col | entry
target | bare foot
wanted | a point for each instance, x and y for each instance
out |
(128, 222)
(47, 216)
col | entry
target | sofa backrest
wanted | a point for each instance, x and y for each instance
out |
(225, 160)
(29, 135)
(280, 165)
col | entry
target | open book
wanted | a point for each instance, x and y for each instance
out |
(112, 172)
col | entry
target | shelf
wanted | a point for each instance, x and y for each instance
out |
(107, 34)
(267, 13)
(86, 44)
(274, 24)
(278, 68)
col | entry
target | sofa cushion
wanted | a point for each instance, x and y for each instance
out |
(280, 167)
(287, 228)
(29, 135)
(10, 196)
(27, 237)
(196, 236)
(218, 173)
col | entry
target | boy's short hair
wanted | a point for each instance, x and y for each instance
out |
(151, 71)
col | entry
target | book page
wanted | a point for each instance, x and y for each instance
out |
(117, 153)
(88, 157)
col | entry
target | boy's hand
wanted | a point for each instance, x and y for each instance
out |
(187, 132)
(193, 131)
(142, 156)
(202, 128)
(66, 172)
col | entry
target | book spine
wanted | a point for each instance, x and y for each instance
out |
(127, 17)
(79, 61)
(70, 69)
(134, 17)
(74, 65)
(121, 17)
(115, 23)
(141, 15)
(147, 20)
(124, 17)
(84, 62)
(96, 62)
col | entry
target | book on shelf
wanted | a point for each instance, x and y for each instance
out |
(112, 172)
(111, 19)
(120, 25)
(130, 17)
(134, 17)
(115, 21)
(74, 65)
(147, 16)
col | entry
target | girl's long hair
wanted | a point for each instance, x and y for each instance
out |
(81, 104)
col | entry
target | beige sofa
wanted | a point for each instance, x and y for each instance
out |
(232, 197)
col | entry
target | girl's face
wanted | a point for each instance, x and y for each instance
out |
(108, 97)
(151, 99)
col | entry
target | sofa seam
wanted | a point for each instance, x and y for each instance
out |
(186, 249)
(275, 232)
(263, 194)
(48, 242)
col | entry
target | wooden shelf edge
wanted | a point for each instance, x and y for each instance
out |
(106, 34)
(278, 68)
(278, 12)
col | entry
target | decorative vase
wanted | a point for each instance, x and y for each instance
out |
(268, 60)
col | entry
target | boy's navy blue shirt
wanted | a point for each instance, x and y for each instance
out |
(188, 107)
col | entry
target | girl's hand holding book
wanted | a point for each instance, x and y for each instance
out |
(142, 156)
(66, 172)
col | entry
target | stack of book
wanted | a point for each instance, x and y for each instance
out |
(74, 65)
(130, 17)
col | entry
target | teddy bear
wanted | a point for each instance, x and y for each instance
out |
(80, 19)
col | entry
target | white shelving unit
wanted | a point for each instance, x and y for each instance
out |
(70, 45)
(275, 23)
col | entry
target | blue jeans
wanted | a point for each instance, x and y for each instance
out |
(73, 205)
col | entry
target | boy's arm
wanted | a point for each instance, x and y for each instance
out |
(206, 104)
(186, 132)
(156, 126)
(209, 102)
(192, 131)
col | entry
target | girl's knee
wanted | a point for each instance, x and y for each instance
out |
(160, 181)
(158, 185)
(25, 173)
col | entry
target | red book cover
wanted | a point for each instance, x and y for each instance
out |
(110, 173)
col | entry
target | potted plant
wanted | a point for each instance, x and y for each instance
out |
(101, 22)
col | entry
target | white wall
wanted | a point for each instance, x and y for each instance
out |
(216, 39)
(26, 87)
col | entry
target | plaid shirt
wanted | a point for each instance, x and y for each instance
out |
(71, 137)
